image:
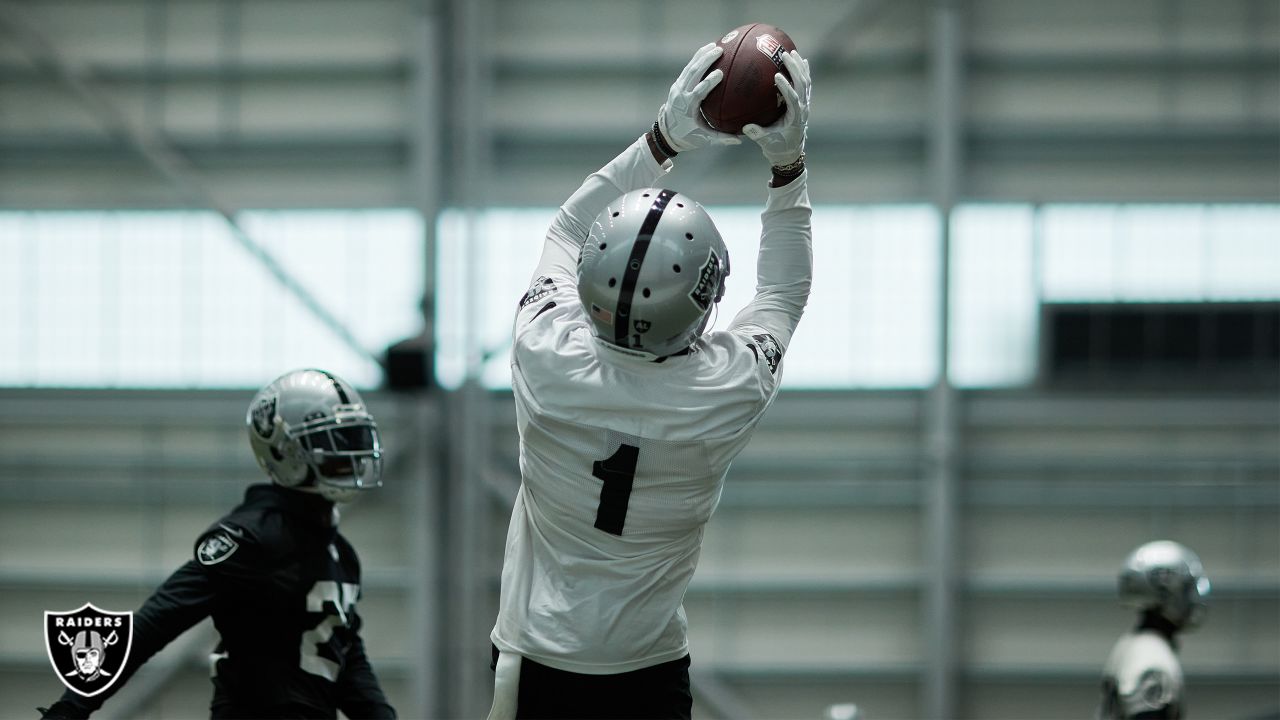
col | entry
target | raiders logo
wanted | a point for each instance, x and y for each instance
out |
(541, 288)
(264, 417)
(770, 347)
(703, 294)
(216, 547)
(88, 647)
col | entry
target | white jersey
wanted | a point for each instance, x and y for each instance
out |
(623, 458)
(1142, 675)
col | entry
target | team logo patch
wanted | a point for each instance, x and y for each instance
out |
(770, 347)
(264, 417)
(541, 288)
(216, 547)
(88, 647)
(771, 48)
(703, 294)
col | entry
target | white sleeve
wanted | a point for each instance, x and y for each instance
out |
(784, 267)
(632, 169)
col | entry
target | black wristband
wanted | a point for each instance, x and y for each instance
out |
(662, 142)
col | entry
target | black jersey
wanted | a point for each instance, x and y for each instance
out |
(281, 585)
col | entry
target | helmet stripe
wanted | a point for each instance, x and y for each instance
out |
(342, 394)
(638, 250)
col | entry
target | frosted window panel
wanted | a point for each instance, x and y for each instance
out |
(1162, 252)
(1079, 253)
(479, 281)
(169, 299)
(17, 286)
(993, 303)
(872, 319)
(1245, 259)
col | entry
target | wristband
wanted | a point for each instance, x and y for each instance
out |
(661, 142)
(791, 169)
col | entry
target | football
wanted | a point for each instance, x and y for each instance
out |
(752, 55)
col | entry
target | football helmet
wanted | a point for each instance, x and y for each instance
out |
(310, 431)
(651, 271)
(1166, 577)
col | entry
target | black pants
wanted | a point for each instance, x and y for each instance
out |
(659, 692)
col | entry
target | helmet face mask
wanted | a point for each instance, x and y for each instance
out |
(1167, 578)
(651, 272)
(309, 431)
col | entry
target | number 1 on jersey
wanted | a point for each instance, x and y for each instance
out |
(617, 473)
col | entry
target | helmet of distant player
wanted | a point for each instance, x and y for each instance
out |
(651, 272)
(1167, 578)
(310, 431)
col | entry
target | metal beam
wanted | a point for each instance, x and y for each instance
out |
(946, 164)
(428, 538)
(469, 684)
(160, 156)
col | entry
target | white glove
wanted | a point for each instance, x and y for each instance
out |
(783, 142)
(680, 119)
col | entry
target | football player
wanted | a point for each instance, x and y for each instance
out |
(1165, 582)
(279, 580)
(629, 412)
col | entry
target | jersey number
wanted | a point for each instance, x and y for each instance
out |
(617, 473)
(338, 600)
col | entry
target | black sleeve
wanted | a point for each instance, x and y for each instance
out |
(183, 600)
(359, 695)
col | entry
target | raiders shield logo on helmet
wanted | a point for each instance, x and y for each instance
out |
(264, 417)
(88, 647)
(703, 294)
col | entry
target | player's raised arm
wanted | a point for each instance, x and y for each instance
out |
(784, 268)
(677, 129)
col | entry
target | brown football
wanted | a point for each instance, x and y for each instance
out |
(752, 55)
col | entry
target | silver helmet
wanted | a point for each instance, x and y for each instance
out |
(310, 431)
(1166, 577)
(651, 271)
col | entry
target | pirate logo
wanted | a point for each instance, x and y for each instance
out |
(264, 416)
(88, 647)
(772, 350)
(217, 545)
(706, 291)
(541, 288)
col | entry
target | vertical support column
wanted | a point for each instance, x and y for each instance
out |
(424, 507)
(938, 691)
(468, 617)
